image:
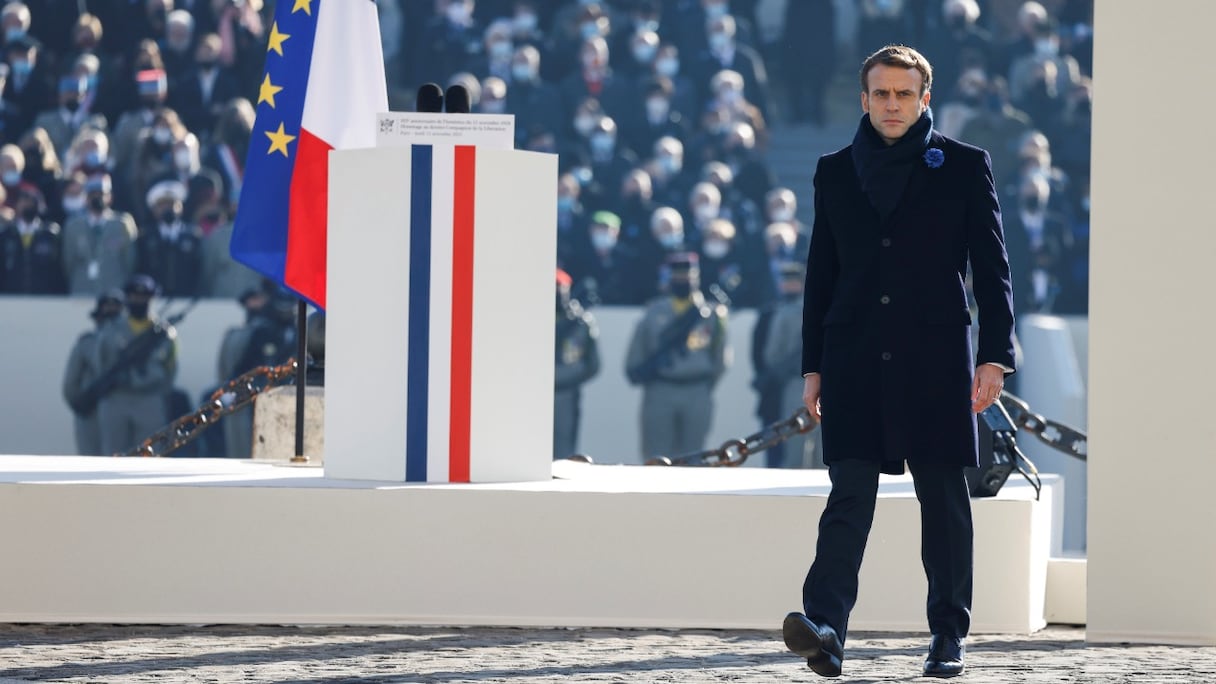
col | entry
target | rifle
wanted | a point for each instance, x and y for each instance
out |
(136, 351)
(672, 341)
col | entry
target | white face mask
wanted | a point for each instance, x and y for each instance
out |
(671, 240)
(501, 49)
(162, 134)
(782, 214)
(522, 72)
(603, 241)
(644, 52)
(667, 67)
(73, 203)
(525, 22)
(458, 13)
(1045, 47)
(705, 212)
(182, 158)
(719, 41)
(584, 124)
(656, 109)
(716, 249)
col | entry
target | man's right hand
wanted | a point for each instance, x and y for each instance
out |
(810, 395)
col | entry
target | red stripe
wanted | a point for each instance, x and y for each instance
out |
(462, 314)
(304, 270)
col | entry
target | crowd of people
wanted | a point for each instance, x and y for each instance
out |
(124, 127)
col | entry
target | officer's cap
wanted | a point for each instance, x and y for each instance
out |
(140, 284)
(606, 218)
(166, 189)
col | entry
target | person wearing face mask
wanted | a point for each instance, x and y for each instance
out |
(721, 263)
(62, 125)
(638, 54)
(204, 87)
(12, 165)
(595, 78)
(98, 243)
(657, 119)
(152, 88)
(535, 103)
(608, 261)
(82, 369)
(960, 43)
(31, 248)
(726, 53)
(136, 407)
(1063, 71)
(15, 21)
(493, 96)
(664, 237)
(450, 42)
(498, 54)
(171, 250)
(1037, 240)
(670, 180)
(609, 161)
(685, 93)
(753, 177)
(153, 160)
(525, 25)
(577, 362)
(73, 201)
(175, 47)
(704, 205)
(27, 89)
(677, 353)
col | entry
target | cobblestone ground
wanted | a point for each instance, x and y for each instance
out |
(108, 653)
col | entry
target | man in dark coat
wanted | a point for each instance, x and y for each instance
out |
(887, 353)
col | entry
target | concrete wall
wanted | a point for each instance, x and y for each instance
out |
(1152, 549)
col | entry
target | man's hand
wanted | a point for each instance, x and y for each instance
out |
(989, 380)
(810, 395)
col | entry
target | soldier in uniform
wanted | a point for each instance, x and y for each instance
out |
(136, 408)
(82, 370)
(266, 339)
(98, 243)
(678, 352)
(782, 355)
(578, 360)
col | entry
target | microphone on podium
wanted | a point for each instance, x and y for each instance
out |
(430, 99)
(456, 101)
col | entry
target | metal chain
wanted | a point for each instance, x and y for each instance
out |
(1052, 433)
(233, 396)
(735, 452)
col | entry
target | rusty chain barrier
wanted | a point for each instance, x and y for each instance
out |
(233, 396)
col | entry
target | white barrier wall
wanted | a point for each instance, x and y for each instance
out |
(1152, 548)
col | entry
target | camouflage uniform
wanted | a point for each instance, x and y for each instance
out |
(578, 360)
(783, 355)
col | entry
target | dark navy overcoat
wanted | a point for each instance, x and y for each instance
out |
(886, 321)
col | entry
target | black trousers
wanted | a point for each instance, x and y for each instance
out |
(830, 590)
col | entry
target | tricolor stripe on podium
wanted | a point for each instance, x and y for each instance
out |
(440, 339)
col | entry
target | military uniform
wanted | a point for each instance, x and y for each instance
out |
(82, 370)
(578, 360)
(98, 251)
(677, 399)
(783, 357)
(137, 407)
(262, 341)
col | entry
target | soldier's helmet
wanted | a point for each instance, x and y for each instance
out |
(141, 284)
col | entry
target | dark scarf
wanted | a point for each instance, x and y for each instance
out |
(884, 169)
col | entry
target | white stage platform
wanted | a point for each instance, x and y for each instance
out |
(129, 540)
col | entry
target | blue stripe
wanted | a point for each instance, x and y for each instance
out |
(419, 352)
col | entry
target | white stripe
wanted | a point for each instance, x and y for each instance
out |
(440, 379)
(346, 84)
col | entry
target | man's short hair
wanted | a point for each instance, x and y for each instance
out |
(902, 57)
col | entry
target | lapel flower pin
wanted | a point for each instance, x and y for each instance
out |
(934, 157)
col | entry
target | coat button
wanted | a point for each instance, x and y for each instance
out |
(886, 242)
(886, 356)
(884, 299)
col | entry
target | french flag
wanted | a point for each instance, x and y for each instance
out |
(323, 86)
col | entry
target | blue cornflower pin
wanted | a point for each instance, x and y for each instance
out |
(934, 157)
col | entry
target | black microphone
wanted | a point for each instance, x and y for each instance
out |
(430, 98)
(456, 101)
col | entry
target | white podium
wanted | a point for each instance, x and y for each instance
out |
(439, 331)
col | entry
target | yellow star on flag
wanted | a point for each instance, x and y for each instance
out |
(279, 140)
(305, 5)
(267, 92)
(276, 39)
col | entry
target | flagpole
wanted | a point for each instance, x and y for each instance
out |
(301, 377)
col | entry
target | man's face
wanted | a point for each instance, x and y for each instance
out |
(894, 101)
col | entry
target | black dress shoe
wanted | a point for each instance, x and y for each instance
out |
(945, 657)
(819, 644)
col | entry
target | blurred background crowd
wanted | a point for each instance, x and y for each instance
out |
(124, 126)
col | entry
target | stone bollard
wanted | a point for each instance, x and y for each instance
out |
(274, 424)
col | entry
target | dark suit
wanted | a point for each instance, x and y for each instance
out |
(886, 325)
